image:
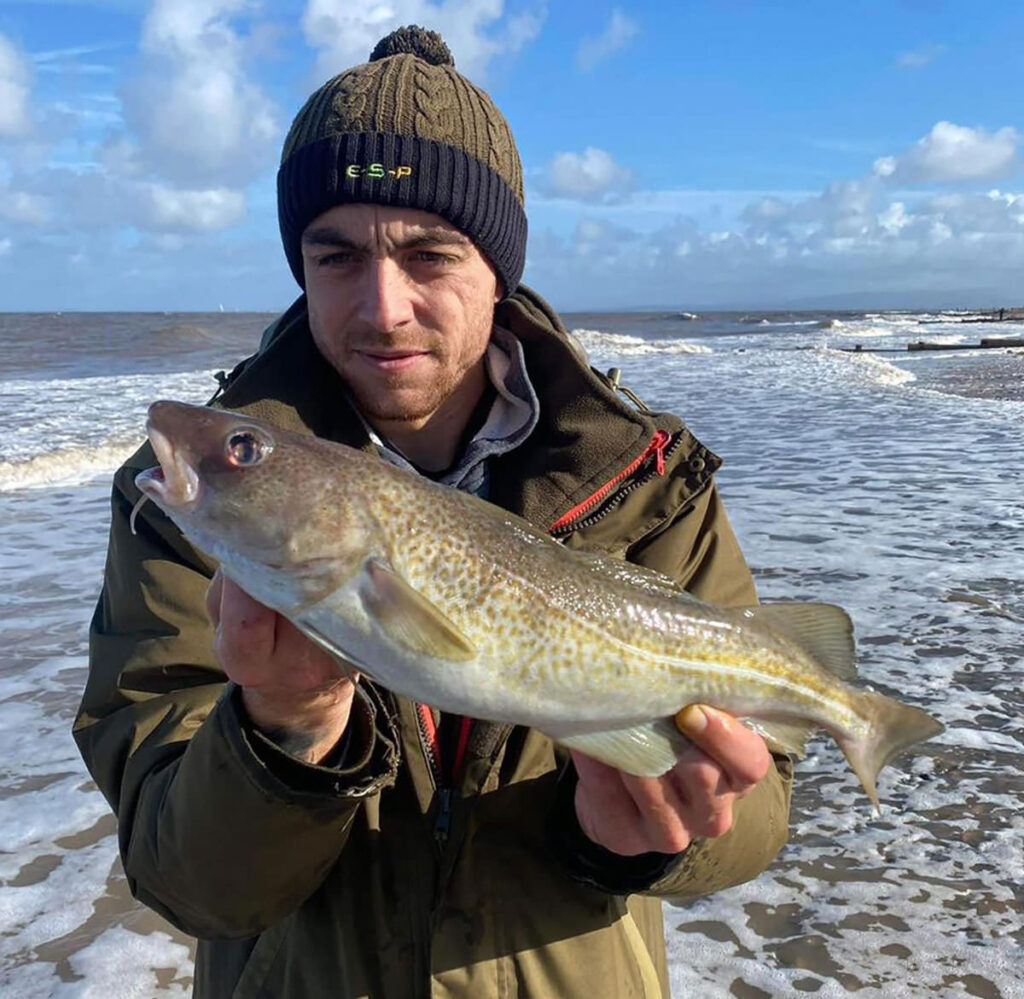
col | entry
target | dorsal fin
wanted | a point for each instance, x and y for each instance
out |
(825, 631)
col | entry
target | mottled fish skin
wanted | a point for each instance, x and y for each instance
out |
(560, 640)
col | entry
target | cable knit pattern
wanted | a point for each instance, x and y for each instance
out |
(351, 104)
(437, 115)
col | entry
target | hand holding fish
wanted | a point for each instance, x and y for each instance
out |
(293, 691)
(631, 815)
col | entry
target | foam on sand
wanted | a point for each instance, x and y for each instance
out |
(118, 956)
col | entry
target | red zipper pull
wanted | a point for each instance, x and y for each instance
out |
(659, 444)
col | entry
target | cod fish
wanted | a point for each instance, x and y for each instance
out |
(449, 600)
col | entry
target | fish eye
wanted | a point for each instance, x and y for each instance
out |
(246, 448)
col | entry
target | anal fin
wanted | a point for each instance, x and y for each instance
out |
(787, 738)
(646, 750)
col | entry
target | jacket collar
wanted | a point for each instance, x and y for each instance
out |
(288, 384)
(585, 436)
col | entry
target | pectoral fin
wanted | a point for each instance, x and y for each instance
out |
(408, 617)
(646, 750)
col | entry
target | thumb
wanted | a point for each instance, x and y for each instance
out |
(213, 597)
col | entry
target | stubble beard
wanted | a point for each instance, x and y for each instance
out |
(389, 397)
(388, 401)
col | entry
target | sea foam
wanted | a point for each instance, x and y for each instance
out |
(623, 344)
(68, 466)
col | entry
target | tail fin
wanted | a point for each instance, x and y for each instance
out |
(893, 727)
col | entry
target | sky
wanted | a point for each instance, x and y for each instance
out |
(694, 155)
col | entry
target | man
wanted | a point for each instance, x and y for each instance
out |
(320, 836)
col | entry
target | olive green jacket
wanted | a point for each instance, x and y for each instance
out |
(362, 879)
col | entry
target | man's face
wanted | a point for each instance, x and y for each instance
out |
(401, 303)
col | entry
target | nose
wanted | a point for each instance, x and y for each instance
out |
(385, 298)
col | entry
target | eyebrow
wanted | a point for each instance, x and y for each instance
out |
(431, 236)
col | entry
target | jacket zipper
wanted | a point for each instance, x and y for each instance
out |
(430, 743)
(443, 820)
(662, 446)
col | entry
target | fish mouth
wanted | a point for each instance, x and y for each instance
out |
(174, 482)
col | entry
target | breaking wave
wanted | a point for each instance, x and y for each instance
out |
(873, 331)
(625, 345)
(871, 368)
(68, 466)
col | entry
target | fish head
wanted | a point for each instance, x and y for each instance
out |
(273, 507)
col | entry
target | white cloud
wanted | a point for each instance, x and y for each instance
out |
(920, 57)
(60, 202)
(59, 62)
(592, 175)
(894, 218)
(601, 240)
(15, 79)
(23, 207)
(853, 236)
(6, 245)
(65, 55)
(197, 115)
(476, 31)
(619, 33)
(844, 208)
(200, 211)
(195, 132)
(953, 153)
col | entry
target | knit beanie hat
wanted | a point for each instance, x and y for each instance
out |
(406, 129)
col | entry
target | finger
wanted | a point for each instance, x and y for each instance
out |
(664, 811)
(309, 664)
(739, 751)
(707, 795)
(213, 597)
(605, 810)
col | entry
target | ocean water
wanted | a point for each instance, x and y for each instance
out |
(891, 483)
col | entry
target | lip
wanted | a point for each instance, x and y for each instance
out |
(172, 483)
(398, 360)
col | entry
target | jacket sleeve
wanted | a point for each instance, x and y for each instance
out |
(699, 549)
(204, 803)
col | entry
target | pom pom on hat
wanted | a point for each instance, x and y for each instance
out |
(414, 40)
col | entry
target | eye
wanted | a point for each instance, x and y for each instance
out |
(433, 257)
(246, 448)
(339, 259)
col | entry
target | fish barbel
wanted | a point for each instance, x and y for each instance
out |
(451, 601)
